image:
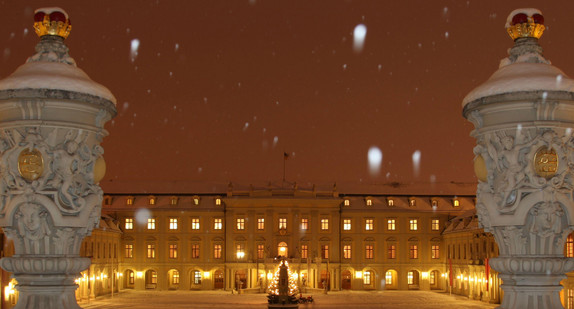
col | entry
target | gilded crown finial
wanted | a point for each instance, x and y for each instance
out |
(52, 21)
(525, 23)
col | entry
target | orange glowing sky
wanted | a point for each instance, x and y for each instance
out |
(219, 90)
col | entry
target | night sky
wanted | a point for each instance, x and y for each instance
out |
(218, 90)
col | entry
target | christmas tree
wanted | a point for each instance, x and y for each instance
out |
(283, 287)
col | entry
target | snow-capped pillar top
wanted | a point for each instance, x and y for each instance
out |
(525, 69)
(52, 21)
(525, 23)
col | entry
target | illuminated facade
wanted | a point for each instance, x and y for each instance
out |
(332, 240)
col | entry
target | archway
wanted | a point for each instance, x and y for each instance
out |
(173, 279)
(195, 279)
(324, 280)
(218, 280)
(391, 280)
(413, 279)
(130, 279)
(434, 280)
(346, 280)
(150, 279)
(240, 279)
(282, 249)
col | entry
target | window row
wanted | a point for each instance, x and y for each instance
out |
(412, 202)
(173, 252)
(152, 200)
(173, 223)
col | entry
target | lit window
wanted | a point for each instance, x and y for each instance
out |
(412, 202)
(153, 277)
(175, 277)
(240, 224)
(304, 224)
(414, 252)
(131, 277)
(195, 251)
(391, 224)
(282, 223)
(217, 201)
(413, 224)
(435, 224)
(173, 223)
(217, 224)
(173, 201)
(325, 251)
(347, 203)
(410, 276)
(455, 203)
(261, 223)
(434, 203)
(367, 278)
(129, 200)
(129, 251)
(151, 224)
(369, 252)
(369, 202)
(129, 224)
(152, 200)
(151, 251)
(324, 224)
(389, 278)
(196, 277)
(347, 224)
(216, 251)
(195, 200)
(304, 251)
(240, 251)
(347, 251)
(369, 224)
(432, 278)
(173, 251)
(392, 252)
(195, 223)
(570, 246)
(391, 202)
(435, 252)
(260, 251)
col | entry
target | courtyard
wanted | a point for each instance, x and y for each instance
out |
(221, 299)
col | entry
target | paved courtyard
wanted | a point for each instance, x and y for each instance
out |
(347, 300)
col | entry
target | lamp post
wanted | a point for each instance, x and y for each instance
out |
(523, 117)
(52, 118)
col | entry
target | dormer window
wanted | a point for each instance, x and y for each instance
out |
(412, 202)
(390, 202)
(455, 202)
(152, 200)
(129, 200)
(369, 201)
(195, 200)
(173, 200)
(108, 200)
(218, 202)
(434, 203)
(347, 202)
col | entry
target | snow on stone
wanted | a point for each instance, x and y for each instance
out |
(527, 11)
(522, 77)
(56, 76)
(50, 10)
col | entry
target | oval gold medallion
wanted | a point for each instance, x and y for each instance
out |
(545, 162)
(30, 164)
(480, 168)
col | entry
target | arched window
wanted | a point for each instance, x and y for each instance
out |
(282, 249)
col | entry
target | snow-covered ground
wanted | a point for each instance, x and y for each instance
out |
(347, 300)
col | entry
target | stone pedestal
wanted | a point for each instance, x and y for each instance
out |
(51, 125)
(524, 117)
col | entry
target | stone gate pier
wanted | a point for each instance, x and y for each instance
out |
(524, 119)
(52, 118)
